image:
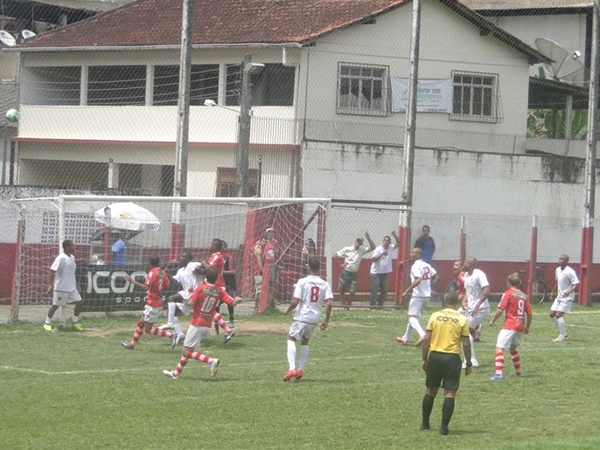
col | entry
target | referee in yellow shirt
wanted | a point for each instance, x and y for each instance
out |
(446, 331)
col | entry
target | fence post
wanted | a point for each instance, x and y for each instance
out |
(532, 258)
(462, 240)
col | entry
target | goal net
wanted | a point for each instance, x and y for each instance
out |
(268, 243)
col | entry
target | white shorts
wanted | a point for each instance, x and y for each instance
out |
(508, 338)
(474, 322)
(257, 284)
(194, 336)
(62, 298)
(561, 305)
(416, 305)
(301, 330)
(151, 314)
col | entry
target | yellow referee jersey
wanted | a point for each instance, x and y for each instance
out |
(447, 327)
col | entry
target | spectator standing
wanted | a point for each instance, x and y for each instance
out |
(446, 331)
(119, 251)
(426, 243)
(63, 286)
(381, 267)
(566, 284)
(352, 256)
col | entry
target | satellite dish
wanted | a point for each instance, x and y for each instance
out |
(7, 39)
(26, 34)
(567, 66)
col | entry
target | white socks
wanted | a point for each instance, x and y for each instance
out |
(414, 322)
(291, 354)
(303, 356)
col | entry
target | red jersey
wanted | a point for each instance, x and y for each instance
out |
(157, 282)
(216, 260)
(204, 302)
(516, 307)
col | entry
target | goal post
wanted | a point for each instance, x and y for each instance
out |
(165, 227)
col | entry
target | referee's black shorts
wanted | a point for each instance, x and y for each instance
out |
(443, 369)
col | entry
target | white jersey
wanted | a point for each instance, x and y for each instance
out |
(424, 271)
(565, 279)
(475, 283)
(187, 278)
(383, 264)
(312, 291)
(352, 257)
(64, 267)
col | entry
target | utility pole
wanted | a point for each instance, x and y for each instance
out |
(409, 153)
(244, 123)
(587, 235)
(183, 127)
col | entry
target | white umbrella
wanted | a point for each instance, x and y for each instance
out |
(127, 216)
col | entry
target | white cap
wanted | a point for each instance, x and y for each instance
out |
(270, 229)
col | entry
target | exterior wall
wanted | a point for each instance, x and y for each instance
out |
(498, 195)
(448, 43)
(86, 165)
(567, 30)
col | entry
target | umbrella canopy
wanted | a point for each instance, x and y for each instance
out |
(127, 216)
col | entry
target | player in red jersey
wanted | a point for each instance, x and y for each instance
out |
(516, 323)
(217, 262)
(203, 302)
(155, 284)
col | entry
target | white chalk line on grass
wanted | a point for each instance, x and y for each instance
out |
(527, 349)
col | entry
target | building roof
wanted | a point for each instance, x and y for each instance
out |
(499, 5)
(222, 23)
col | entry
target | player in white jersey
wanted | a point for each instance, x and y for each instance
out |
(177, 304)
(477, 289)
(566, 284)
(310, 294)
(63, 285)
(422, 277)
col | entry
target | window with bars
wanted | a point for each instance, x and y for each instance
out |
(78, 228)
(475, 97)
(204, 84)
(362, 89)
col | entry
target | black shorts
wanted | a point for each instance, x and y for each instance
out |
(443, 369)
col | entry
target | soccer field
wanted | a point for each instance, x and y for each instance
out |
(360, 390)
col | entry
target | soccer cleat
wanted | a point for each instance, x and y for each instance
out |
(77, 326)
(402, 340)
(214, 367)
(228, 336)
(475, 362)
(444, 431)
(560, 338)
(232, 324)
(425, 427)
(496, 377)
(176, 339)
(166, 326)
(47, 327)
(290, 375)
(420, 341)
(170, 374)
(299, 374)
(126, 344)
